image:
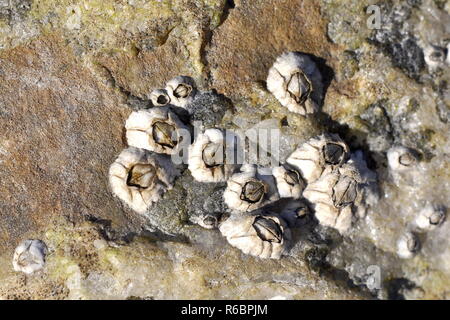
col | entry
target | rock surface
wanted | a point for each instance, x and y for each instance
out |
(72, 71)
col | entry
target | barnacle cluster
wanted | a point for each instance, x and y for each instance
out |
(320, 177)
(318, 170)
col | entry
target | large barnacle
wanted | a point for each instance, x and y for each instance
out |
(296, 82)
(157, 129)
(335, 195)
(29, 256)
(264, 236)
(208, 157)
(140, 178)
(313, 156)
(249, 190)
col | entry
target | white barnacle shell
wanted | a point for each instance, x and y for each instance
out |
(181, 90)
(407, 245)
(289, 181)
(264, 236)
(248, 190)
(312, 157)
(156, 129)
(140, 178)
(160, 97)
(401, 158)
(334, 196)
(430, 217)
(296, 82)
(29, 256)
(434, 56)
(207, 221)
(208, 157)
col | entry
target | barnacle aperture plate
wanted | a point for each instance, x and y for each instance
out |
(257, 235)
(157, 129)
(140, 178)
(296, 82)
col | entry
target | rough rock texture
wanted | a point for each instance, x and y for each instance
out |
(72, 71)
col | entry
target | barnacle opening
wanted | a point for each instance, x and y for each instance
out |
(163, 99)
(141, 176)
(165, 134)
(210, 221)
(213, 154)
(292, 177)
(253, 191)
(299, 87)
(268, 230)
(406, 159)
(344, 192)
(182, 91)
(302, 211)
(333, 153)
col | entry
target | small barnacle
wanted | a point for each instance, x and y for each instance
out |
(435, 56)
(289, 182)
(334, 196)
(264, 236)
(207, 157)
(157, 129)
(249, 190)
(314, 155)
(159, 98)
(296, 82)
(29, 256)
(207, 221)
(181, 90)
(430, 217)
(140, 178)
(407, 245)
(401, 158)
(295, 213)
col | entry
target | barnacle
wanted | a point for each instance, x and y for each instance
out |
(264, 236)
(181, 90)
(434, 56)
(430, 217)
(248, 190)
(207, 221)
(208, 157)
(157, 129)
(407, 245)
(295, 213)
(312, 157)
(296, 82)
(289, 182)
(159, 98)
(334, 196)
(140, 178)
(29, 256)
(401, 158)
